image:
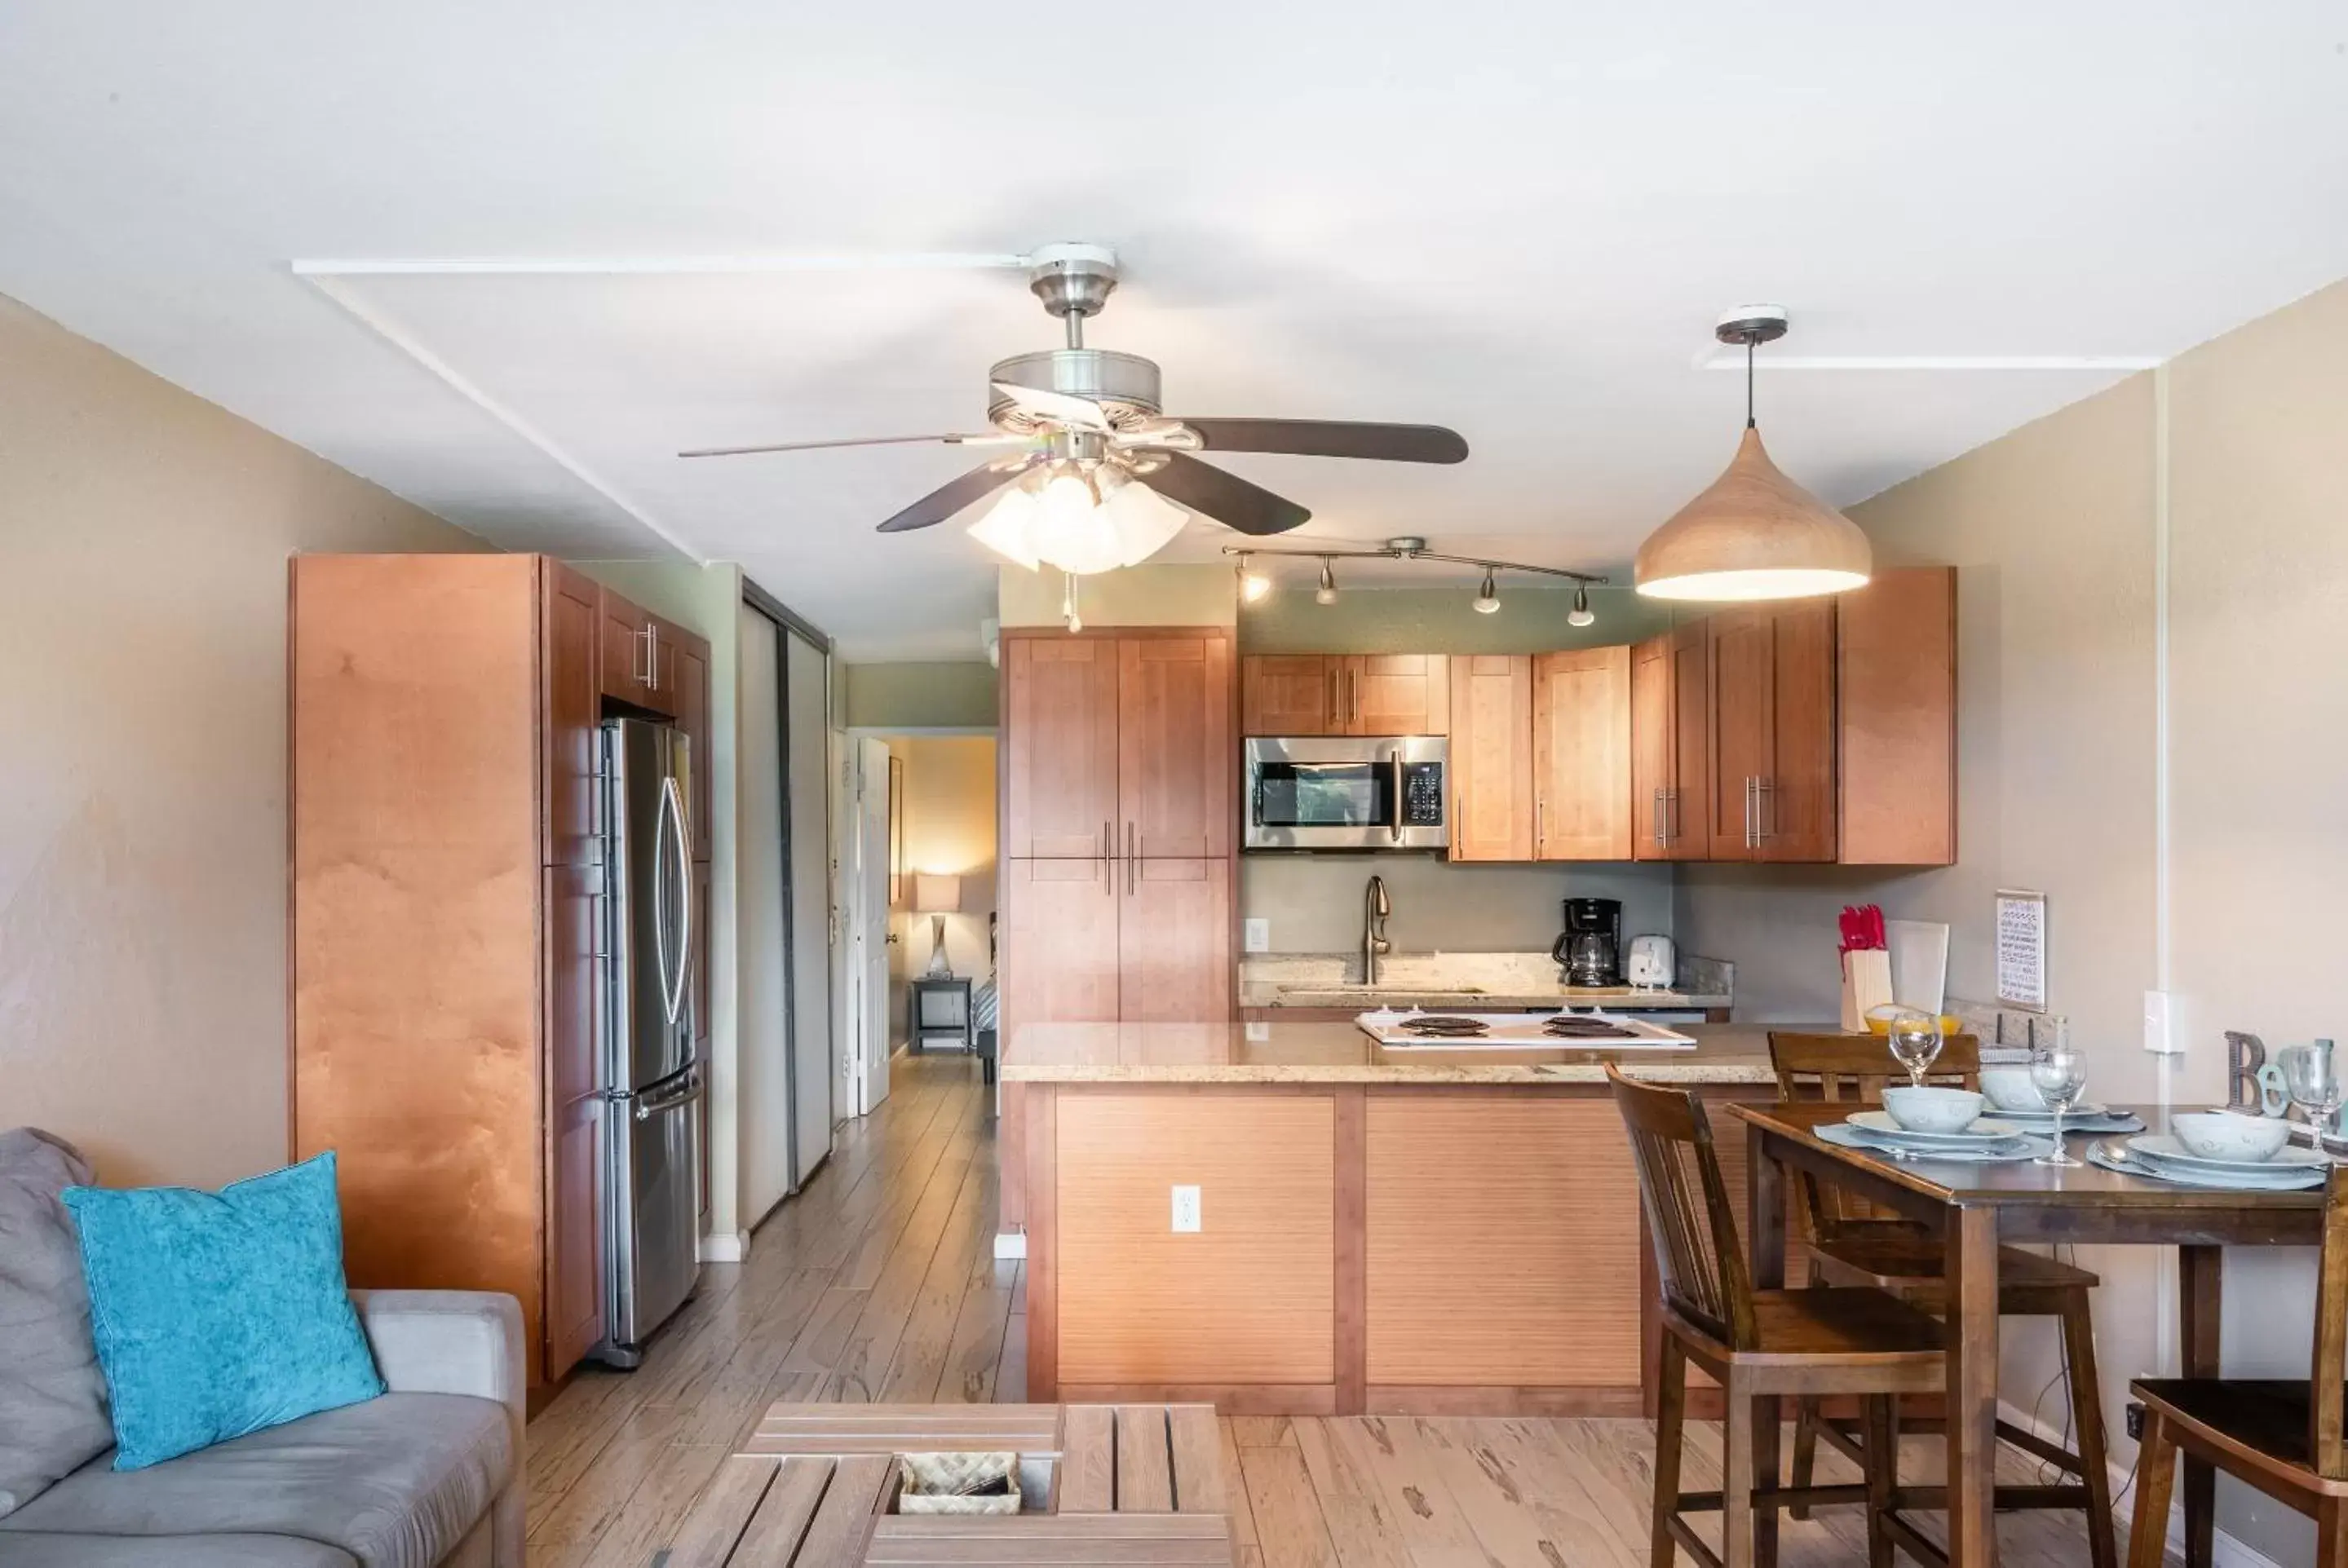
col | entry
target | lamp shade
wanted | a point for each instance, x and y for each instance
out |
(934, 895)
(1754, 534)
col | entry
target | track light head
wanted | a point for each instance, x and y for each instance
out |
(1488, 597)
(1580, 614)
(1255, 585)
(1327, 593)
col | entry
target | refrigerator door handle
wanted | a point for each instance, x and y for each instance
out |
(675, 797)
(685, 1094)
(660, 915)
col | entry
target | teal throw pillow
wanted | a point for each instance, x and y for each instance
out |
(219, 1313)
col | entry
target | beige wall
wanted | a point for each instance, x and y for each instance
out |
(143, 540)
(1443, 621)
(918, 696)
(1165, 595)
(2058, 530)
(1315, 901)
(949, 829)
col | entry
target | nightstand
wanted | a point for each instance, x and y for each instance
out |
(936, 1008)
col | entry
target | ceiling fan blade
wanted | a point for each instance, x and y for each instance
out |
(981, 438)
(1226, 497)
(949, 498)
(1075, 413)
(1331, 438)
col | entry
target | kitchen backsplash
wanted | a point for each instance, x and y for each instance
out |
(1313, 902)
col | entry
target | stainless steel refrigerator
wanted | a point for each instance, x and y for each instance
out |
(653, 1156)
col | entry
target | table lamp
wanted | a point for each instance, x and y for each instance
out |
(937, 896)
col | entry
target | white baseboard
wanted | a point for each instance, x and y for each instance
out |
(2225, 1550)
(726, 1248)
(1010, 1246)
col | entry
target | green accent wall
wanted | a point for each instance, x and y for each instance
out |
(918, 696)
(1443, 621)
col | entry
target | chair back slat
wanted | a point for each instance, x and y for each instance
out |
(2328, 1399)
(1690, 1224)
(1852, 1068)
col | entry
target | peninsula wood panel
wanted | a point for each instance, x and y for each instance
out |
(1174, 940)
(1503, 1242)
(1397, 695)
(1176, 768)
(1492, 756)
(1288, 694)
(415, 883)
(1896, 662)
(1060, 747)
(1583, 803)
(1249, 1299)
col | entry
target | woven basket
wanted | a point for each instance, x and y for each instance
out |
(944, 1483)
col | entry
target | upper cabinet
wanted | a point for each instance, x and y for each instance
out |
(684, 672)
(1772, 731)
(1491, 751)
(1670, 709)
(1896, 662)
(1060, 797)
(1176, 764)
(1345, 694)
(1581, 770)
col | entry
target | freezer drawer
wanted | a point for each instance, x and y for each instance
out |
(655, 1199)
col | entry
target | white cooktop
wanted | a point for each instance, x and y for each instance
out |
(1519, 1031)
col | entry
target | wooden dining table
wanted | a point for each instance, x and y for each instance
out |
(1978, 1207)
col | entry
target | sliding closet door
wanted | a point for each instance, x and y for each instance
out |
(815, 1073)
(763, 1026)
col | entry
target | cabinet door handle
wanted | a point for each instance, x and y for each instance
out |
(652, 656)
(1129, 860)
(1541, 825)
(1749, 840)
(1765, 812)
(1659, 819)
(1333, 717)
(1108, 859)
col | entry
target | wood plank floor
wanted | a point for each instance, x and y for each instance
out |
(879, 1283)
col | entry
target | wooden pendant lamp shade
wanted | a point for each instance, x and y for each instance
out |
(1754, 534)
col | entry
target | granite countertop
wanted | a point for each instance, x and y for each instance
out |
(1489, 980)
(1342, 1053)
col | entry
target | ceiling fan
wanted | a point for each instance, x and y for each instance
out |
(1086, 442)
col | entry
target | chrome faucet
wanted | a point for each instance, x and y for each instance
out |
(1375, 908)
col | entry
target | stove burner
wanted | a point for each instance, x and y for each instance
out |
(1444, 1026)
(1568, 1028)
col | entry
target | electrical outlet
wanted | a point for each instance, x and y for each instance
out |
(1186, 1211)
(1258, 1033)
(1257, 936)
(2135, 1420)
(2159, 1025)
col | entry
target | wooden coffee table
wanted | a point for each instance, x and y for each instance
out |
(812, 1489)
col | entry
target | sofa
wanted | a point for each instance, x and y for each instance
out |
(430, 1474)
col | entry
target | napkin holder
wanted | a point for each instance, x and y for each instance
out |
(1865, 983)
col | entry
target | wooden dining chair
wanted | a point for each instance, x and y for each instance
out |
(1756, 1344)
(1848, 1243)
(2283, 1438)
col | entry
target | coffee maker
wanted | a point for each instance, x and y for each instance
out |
(1591, 949)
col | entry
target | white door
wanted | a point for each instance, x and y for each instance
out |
(869, 933)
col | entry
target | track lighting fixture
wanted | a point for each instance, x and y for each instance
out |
(1488, 597)
(1581, 615)
(1327, 593)
(1254, 587)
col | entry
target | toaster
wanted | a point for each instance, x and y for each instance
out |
(1651, 961)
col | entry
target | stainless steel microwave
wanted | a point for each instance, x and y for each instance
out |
(1348, 791)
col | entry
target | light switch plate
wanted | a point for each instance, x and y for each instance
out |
(1186, 1211)
(2160, 1025)
(1257, 936)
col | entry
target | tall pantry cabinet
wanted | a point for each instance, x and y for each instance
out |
(1120, 773)
(445, 886)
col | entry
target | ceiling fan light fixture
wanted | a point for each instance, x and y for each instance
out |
(1580, 614)
(1488, 597)
(1753, 534)
(1142, 521)
(1327, 593)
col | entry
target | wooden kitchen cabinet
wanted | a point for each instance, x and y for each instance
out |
(1492, 801)
(1671, 717)
(1581, 754)
(1290, 694)
(1174, 941)
(1393, 694)
(626, 671)
(1176, 768)
(1060, 947)
(1061, 799)
(685, 675)
(1896, 687)
(574, 1155)
(1772, 733)
(570, 619)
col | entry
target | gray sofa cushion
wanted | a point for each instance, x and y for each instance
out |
(397, 1482)
(27, 1550)
(53, 1415)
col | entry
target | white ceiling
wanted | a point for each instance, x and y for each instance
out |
(1519, 221)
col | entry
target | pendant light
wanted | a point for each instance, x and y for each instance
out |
(1754, 534)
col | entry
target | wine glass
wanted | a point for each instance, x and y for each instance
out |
(1915, 1040)
(2311, 1075)
(2059, 1073)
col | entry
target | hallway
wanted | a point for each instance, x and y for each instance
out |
(877, 1283)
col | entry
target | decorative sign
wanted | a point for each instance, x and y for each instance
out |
(2022, 950)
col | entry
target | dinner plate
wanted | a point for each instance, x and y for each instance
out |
(2276, 1179)
(2000, 1151)
(2165, 1149)
(1987, 1130)
(2076, 1113)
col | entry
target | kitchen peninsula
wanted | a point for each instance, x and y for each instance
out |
(1288, 1218)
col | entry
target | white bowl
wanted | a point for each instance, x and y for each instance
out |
(2222, 1135)
(2010, 1088)
(1931, 1109)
